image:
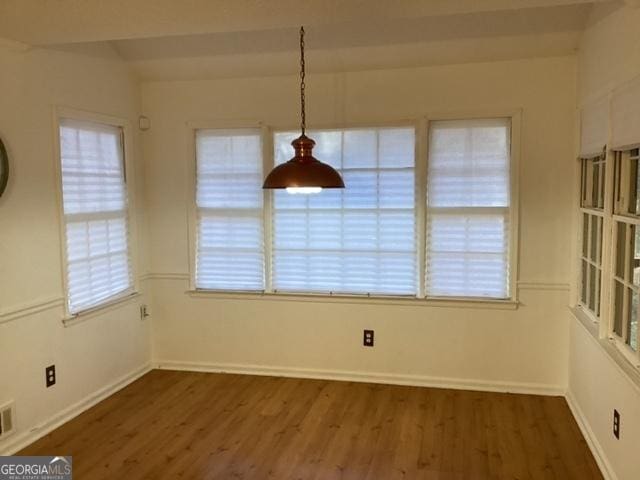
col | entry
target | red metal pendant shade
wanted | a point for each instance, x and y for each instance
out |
(303, 170)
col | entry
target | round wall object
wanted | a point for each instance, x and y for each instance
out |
(4, 168)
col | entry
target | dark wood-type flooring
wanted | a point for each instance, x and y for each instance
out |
(180, 425)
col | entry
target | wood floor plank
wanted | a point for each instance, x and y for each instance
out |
(184, 425)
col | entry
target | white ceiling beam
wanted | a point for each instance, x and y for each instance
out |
(48, 22)
(378, 57)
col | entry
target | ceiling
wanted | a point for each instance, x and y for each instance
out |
(193, 39)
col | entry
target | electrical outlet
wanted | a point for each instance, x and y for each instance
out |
(144, 312)
(7, 423)
(616, 424)
(367, 340)
(50, 375)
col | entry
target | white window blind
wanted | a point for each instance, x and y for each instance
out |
(359, 240)
(468, 199)
(594, 128)
(95, 213)
(230, 250)
(625, 117)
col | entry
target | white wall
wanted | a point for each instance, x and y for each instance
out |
(597, 386)
(609, 53)
(91, 355)
(524, 349)
(609, 56)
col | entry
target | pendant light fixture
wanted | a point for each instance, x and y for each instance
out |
(303, 173)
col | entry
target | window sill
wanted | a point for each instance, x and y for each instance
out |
(608, 345)
(108, 306)
(358, 299)
(587, 321)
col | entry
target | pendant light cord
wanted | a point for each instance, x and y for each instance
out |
(302, 85)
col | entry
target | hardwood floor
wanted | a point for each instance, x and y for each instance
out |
(179, 425)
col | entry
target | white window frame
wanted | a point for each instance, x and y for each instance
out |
(191, 130)
(194, 213)
(271, 159)
(605, 215)
(64, 113)
(515, 117)
(629, 219)
(421, 126)
(602, 328)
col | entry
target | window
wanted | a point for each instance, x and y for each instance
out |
(592, 196)
(359, 240)
(468, 209)
(229, 253)
(369, 238)
(98, 266)
(626, 265)
(609, 253)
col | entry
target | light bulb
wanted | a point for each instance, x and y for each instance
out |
(303, 190)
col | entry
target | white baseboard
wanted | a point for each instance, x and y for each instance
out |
(366, 377)
(590, 437)
(18, 441)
